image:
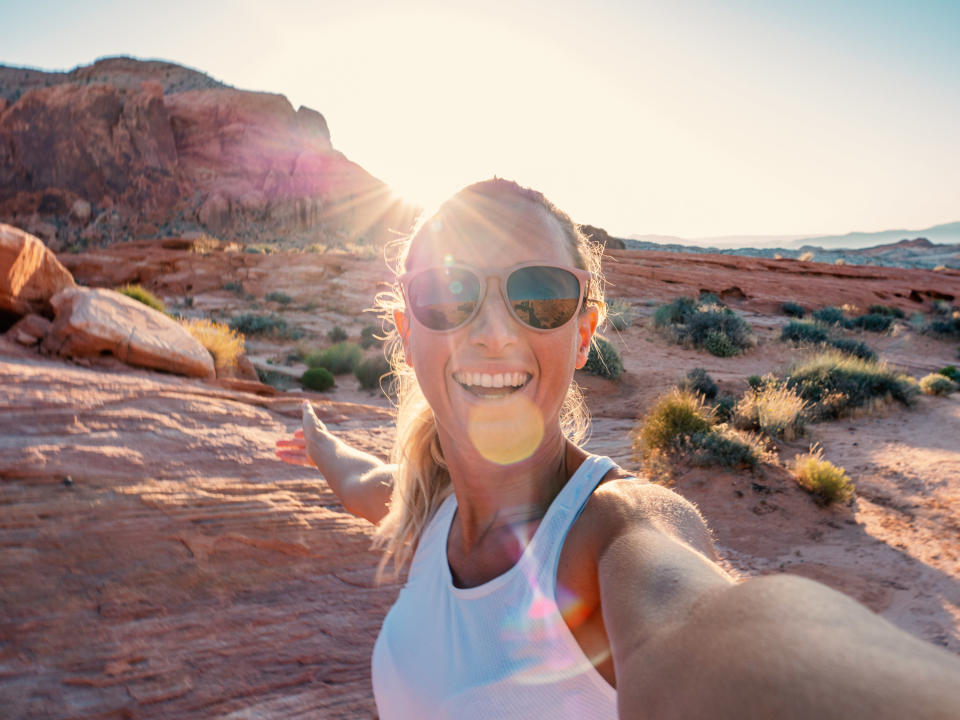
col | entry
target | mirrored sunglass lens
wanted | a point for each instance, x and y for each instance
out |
(444, 298)
(543, 297)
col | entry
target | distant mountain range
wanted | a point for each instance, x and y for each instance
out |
(948, 233)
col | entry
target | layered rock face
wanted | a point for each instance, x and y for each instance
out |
(123, 148)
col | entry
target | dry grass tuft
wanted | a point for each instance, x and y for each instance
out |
(821, 477)
(224, 344)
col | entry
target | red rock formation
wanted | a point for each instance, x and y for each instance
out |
(150, 144)
(29, 274)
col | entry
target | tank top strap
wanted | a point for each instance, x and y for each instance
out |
(564, 510)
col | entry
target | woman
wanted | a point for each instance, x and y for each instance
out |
(546, 582)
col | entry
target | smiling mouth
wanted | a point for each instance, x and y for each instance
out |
(492, 385)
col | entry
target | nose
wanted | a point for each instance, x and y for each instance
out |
(493, 328)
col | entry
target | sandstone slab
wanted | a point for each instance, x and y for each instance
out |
(91, 322)
(29, 273)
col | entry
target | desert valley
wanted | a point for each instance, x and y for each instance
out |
(158, 560)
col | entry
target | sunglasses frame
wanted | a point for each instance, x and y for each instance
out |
(502, 274)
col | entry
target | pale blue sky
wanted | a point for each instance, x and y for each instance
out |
(693, 118)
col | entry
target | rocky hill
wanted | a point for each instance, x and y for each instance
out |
(124, 149)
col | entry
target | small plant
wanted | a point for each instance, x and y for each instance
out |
(893, 312)
(141, 294)
(317, 378)
(774, 409)
(676, 312)
(951, 372)
(252, 324)
(278, 297)
(830, 315)
(857, 348)
(699, 381)
(233, 287)
(944, 327)
(803, 331)
(793, 309)
(834, 384)
(708, 326)
(204, 244)
(368, 337)
(719, 344)
(724, 446)
(224, 344)
(874, 322)
(620, 314)
(674, 416)
(339, 359)
(754, 381)
(822, 478)
(937, 384)
(604, 359)
(337, 334)
(371, 372)
(723, 408)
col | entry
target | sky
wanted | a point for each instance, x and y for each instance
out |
(694, 118)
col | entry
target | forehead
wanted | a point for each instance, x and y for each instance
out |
(488, 232)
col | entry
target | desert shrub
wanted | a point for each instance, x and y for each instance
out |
(604, 359)
(699, 381)
(252, 324)
(803, 331)
(676, 415)
(719, 331)
(371, 370)
(339, 359)
(724, 446)
(822, 478)
(951, 372)
(937, 384)
(223, 344)
(830, 315)
(833, 383)
(709, 298)
(719, 344)
(874, 322)
(774, 409)
(368, 337)
(893, 312)
(620, 314)
(317, 378)
(676, 312)
(941, 307)
(793, 309)
(233, 287)
(337, 334)
(278, 297)
(723, 408)
(754, 381)
(857, 348)
(141, 294)
(948, 327)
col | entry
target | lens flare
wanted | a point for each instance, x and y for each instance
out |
(506, 433)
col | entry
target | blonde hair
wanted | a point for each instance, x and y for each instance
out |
(422, 480)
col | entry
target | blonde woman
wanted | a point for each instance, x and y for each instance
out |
(544, 581)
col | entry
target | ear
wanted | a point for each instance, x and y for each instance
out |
(586, 326)
(402, 322)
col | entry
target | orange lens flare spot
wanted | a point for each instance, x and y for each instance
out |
(506, 433)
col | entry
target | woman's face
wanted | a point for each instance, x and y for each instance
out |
(459, 371)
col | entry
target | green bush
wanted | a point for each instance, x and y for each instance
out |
(676, 312)
(278, 297)
(719, 331)
(944, 327)
(317, 378)
(723, 446)
(272, 325)
(822, 478)
(803, 331)
(141, 294)
(754, 381)
(674, 416)
(874, 322)
(371, 371)
(620, 314)
(723, 407)
(604, 359)
(233, 287)
(719, 344)
(368, 337)
(830, 315)
(793, 309)
(339, 359)
(937, 384)
(699, 381)
(857, 348)
(833, 383)
(894, 312)
(337, 334)
(951, 372)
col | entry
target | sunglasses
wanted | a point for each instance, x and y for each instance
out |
(542, 297)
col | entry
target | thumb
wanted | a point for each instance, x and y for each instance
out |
(310, 419)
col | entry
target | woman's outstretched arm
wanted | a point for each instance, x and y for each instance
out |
(362, 482)
(689, 643)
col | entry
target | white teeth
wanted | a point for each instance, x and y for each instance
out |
(499, 380)
(486, 380)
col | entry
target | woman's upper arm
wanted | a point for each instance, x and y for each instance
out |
(369, 496)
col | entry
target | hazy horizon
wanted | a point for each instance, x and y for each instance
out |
(707, 120)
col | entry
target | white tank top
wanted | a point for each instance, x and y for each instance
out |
(498, 650)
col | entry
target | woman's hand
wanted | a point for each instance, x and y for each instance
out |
(362, 482)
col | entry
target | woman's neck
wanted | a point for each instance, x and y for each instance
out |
(492, 497)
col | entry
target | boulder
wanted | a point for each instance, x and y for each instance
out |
(29, 273)
(30, 329)
(92, 322)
